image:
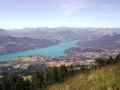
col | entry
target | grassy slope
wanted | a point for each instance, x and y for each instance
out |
(102, 79)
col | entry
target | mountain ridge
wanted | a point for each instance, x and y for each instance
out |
(9, 44)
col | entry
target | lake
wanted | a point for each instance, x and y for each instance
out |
(55, 50)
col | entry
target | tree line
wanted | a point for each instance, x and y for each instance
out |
(39, 79)
(102, 62)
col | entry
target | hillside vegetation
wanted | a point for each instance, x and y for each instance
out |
(103, 75)
(105, 78)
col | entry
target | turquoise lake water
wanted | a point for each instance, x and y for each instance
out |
(55, 50)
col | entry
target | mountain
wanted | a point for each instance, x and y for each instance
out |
(60, 33)
(68, 34)
(9, 44)
(4, 32)
(107, 42)
(105, 46)
(56, 29)
(105, 30)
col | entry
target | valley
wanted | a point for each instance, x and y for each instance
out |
(39, 49)
(60, 45)
(53, 50)
(39, 62)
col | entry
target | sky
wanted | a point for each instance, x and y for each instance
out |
(59, 13)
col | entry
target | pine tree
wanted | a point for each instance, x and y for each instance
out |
(110, 60)
(5, 83)
(37, 80)
(46, 77)
(100, 62)
(63, 72)
(71, 71)
(1, 86)
(27, 85)
(54, 74)
(16, 82)
(117, 58)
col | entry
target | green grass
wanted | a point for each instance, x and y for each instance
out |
(105, 78)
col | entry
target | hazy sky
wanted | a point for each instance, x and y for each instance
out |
(56, 13)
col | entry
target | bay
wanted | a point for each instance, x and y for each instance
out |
(55, 50)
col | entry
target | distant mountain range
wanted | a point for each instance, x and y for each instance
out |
(4, 32)
(61, 33)
(107, 42)
(56, 29)
(9, 44)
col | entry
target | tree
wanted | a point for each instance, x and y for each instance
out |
(37, 80)
(27, 85)
(117, 59)
(54, 74)
(1, 86)
(16, 82)
(46, 77)
(5, 83)
(63, 72)
(110, 60)
(100, 62)
(71, 71)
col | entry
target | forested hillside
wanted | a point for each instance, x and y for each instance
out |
(104, 74)
(106, 77)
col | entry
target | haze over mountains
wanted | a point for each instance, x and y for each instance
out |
(60, 33)
(107, 42)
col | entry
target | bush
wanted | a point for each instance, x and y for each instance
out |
(100, 62)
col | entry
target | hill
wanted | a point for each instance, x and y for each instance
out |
(105, 46)
(105, 78)
(107, 42)
(4, 32)
(9, 44)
